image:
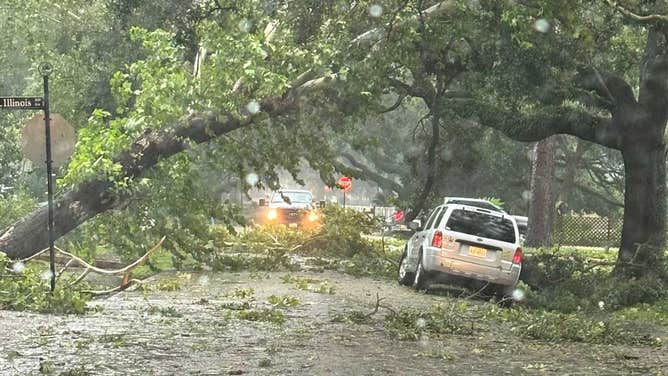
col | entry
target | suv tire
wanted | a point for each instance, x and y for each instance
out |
(404, 277)
(420, 279)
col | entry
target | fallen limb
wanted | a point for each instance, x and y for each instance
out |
(99, 270)
(120, 288)
(91, 268)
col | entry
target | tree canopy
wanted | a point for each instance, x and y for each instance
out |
(263, 85)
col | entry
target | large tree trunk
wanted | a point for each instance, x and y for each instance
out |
(573, 162)
(543, 194)
(644, 231)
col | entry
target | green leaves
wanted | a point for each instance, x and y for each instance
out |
(24, 287)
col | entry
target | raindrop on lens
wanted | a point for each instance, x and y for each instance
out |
(245, 25)
(46, 275)
(526, 196)
(420, 323)
(18, 267)
(203, 280)
(252, 179)
(474, 4)
(518, 295)
(541, 25)
(375, 10)
(253, 107)
(447, 155)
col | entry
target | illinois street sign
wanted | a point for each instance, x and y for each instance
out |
(22, 103)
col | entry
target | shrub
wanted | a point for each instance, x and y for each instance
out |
(27, 288)
(410, 324)
(570, 283)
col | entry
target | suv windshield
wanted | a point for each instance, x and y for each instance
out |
(293, 197)
(482, 225)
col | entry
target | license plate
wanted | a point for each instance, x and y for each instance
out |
(477, 251)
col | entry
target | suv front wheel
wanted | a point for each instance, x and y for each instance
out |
(405, 277)
(421, 280)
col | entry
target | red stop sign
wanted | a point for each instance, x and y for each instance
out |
(345, 183)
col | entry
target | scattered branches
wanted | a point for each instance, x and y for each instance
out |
(127, 282)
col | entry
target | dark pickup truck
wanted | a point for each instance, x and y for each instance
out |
(291, 207)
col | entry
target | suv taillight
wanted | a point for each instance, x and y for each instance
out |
(517, 257)
(437, 240)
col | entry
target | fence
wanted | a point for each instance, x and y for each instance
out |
(378, 211)
(587, 231)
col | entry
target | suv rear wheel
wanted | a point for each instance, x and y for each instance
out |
(421, 280)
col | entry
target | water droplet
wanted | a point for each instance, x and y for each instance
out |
(424, 340)
(203, 280)
(542, 25)
(245, 25)
(527, 195)
(46, 275)
(518, 295)
(18, 267)
(474, 4)
(253, 107)
(375, 10)
(252, 179)
(446, 155)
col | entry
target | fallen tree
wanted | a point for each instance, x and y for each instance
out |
(28, 235)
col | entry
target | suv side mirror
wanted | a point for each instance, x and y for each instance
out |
(415, 225)
(263, 202)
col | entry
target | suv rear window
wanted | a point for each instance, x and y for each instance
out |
(478, 204)
(482, 225)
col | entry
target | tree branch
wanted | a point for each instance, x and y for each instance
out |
(396, 104)
(371, 37)
(650, 18)
(535, 126)
(607, 85)
(370, 174)
(427, 188)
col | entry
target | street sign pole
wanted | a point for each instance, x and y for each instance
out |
(45, 70)
(345, 183)
(39, 103)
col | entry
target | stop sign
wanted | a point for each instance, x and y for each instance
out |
(345, 183)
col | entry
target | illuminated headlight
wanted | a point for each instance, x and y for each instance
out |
(273, 214)
(312, 216)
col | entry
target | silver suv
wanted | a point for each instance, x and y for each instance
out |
(464, 242)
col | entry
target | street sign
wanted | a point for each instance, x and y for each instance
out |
(345, 183)
(22, 103)
(33, 144)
